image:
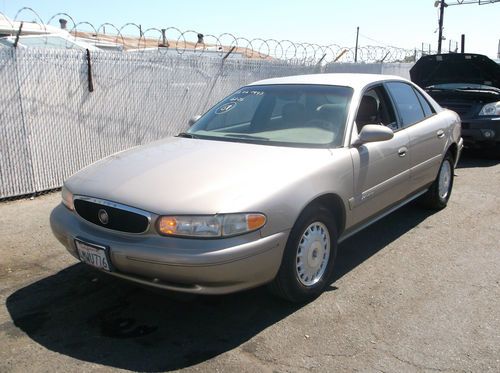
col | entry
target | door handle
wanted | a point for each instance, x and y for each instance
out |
(402, 151)
(440, 134)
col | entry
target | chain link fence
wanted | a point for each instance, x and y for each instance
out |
(61, 111)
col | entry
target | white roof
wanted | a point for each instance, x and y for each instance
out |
(11, 27)
(356, 81)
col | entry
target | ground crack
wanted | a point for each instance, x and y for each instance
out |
(419, 366)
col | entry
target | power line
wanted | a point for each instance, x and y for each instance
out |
(465, 2)
(374, 40)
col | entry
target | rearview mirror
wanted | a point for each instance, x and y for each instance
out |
(193, 120)
(373, 133)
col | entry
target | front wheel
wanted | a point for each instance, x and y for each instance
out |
(309, 256)
(437, 196)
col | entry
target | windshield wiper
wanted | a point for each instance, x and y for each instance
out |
(187, 135)
(243, 136)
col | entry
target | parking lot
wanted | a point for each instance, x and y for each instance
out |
(417, 291)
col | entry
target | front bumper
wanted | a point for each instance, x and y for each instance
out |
(474, 132)
(205, 266)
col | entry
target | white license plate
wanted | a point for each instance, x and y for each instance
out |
(93, 255)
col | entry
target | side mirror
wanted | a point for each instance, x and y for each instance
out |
(193, 120)
(373, 133)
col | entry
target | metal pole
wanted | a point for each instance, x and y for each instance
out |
(462, 46)
(356, 50)
(344, 51)
(442, 5)
(163, 37)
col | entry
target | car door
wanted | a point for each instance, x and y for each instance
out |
(381, 169)
(425, 130)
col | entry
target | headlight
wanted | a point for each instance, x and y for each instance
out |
(493, 108)
(67, 198)
(210, 226)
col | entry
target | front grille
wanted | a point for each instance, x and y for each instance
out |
(462, 108)
(119, 219)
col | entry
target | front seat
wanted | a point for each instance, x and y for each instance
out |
(368, 112)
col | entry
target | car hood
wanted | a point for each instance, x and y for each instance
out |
(455, 68)
(193, 176)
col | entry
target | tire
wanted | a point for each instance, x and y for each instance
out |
(436, 198)
(309, 257)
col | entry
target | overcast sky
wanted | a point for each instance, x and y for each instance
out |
(401, 23)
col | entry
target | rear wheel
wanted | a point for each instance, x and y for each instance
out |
(308, 260)
(437, 196)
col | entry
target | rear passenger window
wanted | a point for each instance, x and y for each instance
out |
(406, 102)
(428, 110)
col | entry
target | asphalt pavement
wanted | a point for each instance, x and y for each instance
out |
(416, 291)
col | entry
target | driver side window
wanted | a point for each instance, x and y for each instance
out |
(375, 108)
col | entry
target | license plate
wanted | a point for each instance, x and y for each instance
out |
(93, 255)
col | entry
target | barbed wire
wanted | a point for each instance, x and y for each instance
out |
(172, 39)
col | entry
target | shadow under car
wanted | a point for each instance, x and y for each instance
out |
(94, 317)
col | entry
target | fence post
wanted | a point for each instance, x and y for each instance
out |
(318, 69)
(89, 72)
(216, 77)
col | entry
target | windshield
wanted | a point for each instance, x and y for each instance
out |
(287, 115)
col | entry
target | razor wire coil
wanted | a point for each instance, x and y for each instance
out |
(132, 36)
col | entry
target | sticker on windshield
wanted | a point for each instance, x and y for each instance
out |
(256, 93)
(237, 99)
(225, 108)
(241, 95)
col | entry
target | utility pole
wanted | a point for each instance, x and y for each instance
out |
(356, 50)
(442, 5)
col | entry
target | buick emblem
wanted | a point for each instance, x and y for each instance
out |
(103, 216)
